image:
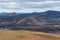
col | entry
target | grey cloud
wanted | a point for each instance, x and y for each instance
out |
(43, 5)
(26, 0)
(23, 5)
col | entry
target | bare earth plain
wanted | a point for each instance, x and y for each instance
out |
(26, 35)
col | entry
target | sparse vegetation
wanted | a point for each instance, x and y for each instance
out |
(26, 35)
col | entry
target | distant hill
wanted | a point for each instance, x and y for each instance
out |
(49, 20)
(35, 18)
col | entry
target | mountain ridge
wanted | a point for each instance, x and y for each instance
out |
(48, 21)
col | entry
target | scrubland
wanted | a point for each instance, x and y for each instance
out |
(26, 35)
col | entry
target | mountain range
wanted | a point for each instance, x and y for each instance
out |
(41, 21)
(34, 18)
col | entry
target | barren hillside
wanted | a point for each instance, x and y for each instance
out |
(27, 35)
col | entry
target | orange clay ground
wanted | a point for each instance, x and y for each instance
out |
(26, 35)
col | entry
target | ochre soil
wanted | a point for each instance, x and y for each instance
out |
(26, 35)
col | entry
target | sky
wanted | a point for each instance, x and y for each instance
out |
(27, 6)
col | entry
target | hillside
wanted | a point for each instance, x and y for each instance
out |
(35, 18)
(48, 21)
(27, 35)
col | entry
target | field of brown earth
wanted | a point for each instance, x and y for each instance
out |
(26, 35)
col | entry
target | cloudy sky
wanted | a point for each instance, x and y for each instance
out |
(29, 5)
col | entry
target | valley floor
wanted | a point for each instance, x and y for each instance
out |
(26, 35)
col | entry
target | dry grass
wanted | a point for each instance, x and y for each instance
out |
(26, 35)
